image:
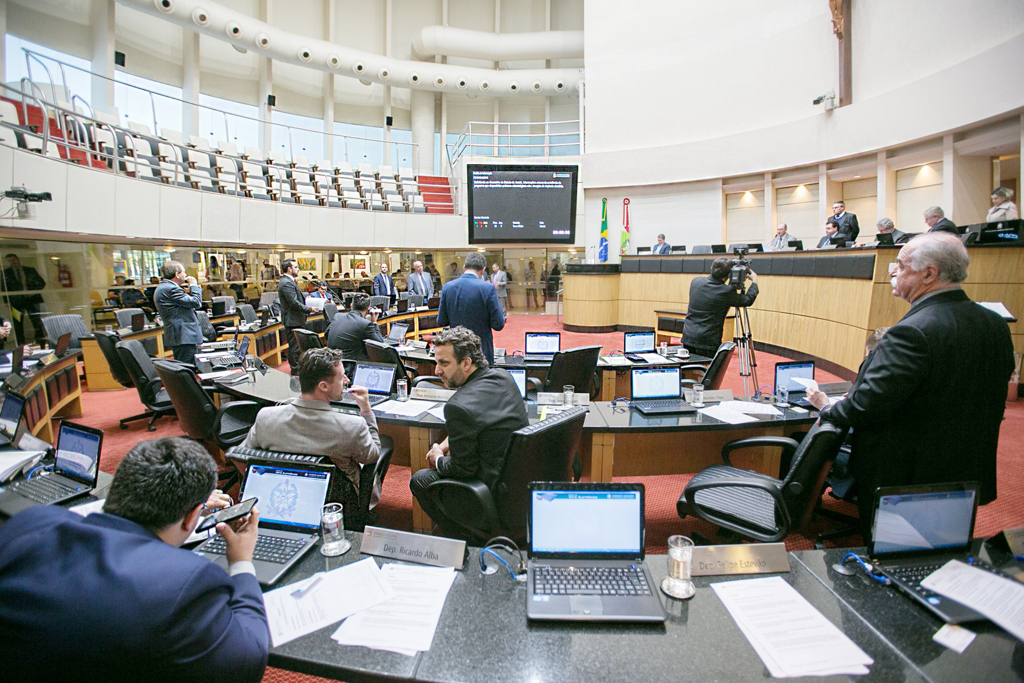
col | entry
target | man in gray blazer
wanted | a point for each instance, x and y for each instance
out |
(177, 309)
(293, 309)
(499, 279)
(310, 426)
(420, 282)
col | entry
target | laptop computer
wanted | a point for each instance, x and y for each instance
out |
(542, 346)
(917, 529)
(656, 391)
(290, 500)
(519, 376)
(218, 309)
(884, 239)
(636, 343)
(264, 317)
(396, 335)
(10, 417)
(784, 374)
(138, 322)
(717, 248)
(76, 471)
(586, 554)
(402, 305)
(231, 359)
(434, 302)
(378, 378)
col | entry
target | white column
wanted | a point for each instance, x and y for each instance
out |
(330, 9)
(771, 212)
(190, 83)
(388, 15)
(966, 185)
(422, 106)
(266, 88)
(443, 169)
(102, 21)
(3, 38)
(885, 189)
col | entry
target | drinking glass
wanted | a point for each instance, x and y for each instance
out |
(698, 395)
(680, 556)
(110, 328)
(332, 531)
(403, 389)
(567, 392)
(663, 348)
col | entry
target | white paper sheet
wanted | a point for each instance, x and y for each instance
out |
(12, 462)
(616, 360)
(655, 358)
(751, 408)
(438, 412)
(341, 593)
(725, 415)
(956, 638)
(790, 636)
(405, 623)
(998, 308)
(88, 508)
(410, 408)
(808, 383)
(998, 598)
(220, 374)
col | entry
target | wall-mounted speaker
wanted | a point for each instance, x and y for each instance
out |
(272, 100)
(119, 59)
(388, 121)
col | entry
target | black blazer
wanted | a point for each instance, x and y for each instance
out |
(824, 241)
(710, 300)
(928, 402)
(899, 237)
(293, 303)
(481, 417)
(848, 227)
(945, 225)
(348, 331)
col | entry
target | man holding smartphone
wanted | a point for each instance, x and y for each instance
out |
(117, 592)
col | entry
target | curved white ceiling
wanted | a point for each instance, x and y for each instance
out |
(245, 32)
(496, 47)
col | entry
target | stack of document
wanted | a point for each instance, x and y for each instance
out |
(727, 415)
(751, 408)
(406, 623)
(410, 408)
(616, 360)
(655, 358)
(12, 462)
(790, 636)
(991, 595)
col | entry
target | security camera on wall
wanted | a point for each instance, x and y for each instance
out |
(828, 99)
(25, 201)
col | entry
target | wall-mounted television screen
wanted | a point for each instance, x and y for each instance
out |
(521, 203)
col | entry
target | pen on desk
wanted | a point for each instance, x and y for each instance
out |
(299, 592)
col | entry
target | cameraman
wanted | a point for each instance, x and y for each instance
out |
(711, 298)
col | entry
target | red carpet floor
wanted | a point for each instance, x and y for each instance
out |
(104, 409)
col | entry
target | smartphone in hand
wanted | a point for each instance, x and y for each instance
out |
(228, 514)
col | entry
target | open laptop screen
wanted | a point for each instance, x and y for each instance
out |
(78, 452)
(10, 414)
(592, 522)
(377, 379)
(934, 520)
(785, 372)
(290, 498)
(397, 331)
(243, 348)
(653, 383)
(639, 342)
(519, 375)
(542, 342)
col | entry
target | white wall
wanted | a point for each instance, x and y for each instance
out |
(744, 216)
(861, 198)
(798, 208)
(917, 189)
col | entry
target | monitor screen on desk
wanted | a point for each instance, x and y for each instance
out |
(519, 375)
(10, 414)
(586, 521)
(542, 342)
(639, 342)
(654, 383)
(908, 521)
(288, 497)
(378, 378)
(785, 372)
(78, 452)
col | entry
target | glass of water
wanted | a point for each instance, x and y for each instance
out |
(663, 348)
(680, 558)
(332, 531)
(403, 389)
(782, 392)
(567, 394)
(698, 395)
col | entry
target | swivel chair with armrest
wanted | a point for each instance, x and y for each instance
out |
(377, 352)
(247, 313)
(56, 325)
(577, 367)
(540, 452)
(371, 479)
(131, 371)
(124, 320)
(759, 506)
(209, 333)
(330, 310)
(714, 374)
(307, 340)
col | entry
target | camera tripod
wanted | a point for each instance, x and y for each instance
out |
(745, 346)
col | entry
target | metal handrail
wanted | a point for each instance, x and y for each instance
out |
(465, 140)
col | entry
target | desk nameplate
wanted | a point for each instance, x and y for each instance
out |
(402, 545)
(721, 560)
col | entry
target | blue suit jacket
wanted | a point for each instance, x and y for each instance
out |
(661, 249)
(378, 285)
(177, 309)
(102, 598)
(472, 303)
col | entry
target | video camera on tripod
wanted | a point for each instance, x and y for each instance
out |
(740, 270)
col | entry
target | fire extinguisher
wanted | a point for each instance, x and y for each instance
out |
(64, 276)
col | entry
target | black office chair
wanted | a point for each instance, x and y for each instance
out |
(247, 312)
(759, 506)
(57, 325)
(131, 357)
(371, 479)
(377, 352)
(701, 249)
(540, 452)
(577, 367)
(307, 340)
(330, 310)
(200, 418)
(124, 319)
(209, 333)
(714, 374)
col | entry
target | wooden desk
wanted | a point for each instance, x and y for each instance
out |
(97, 370)
(50, 393)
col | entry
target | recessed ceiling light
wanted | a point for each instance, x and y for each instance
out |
(170, 250)
(306, 252)
(856, 176)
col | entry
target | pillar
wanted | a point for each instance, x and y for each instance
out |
(190, 84)
(329, 32)
(965, 185)
(266, 88)
(422, 112)
(771, 211)
(885, 190)
(102, 23)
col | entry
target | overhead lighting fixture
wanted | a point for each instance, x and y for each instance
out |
(856, 176)
(170, 250)
(387, 251)
(55, 258)
(239, 251)
(417, 252)
(748, 195)
(306, 252)
(363, 253)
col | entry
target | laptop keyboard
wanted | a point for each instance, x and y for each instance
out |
(372, 399)
(915, 574)
(268, 548)
(538, 358)
(44, 489)
(663, 403)
(590, 581)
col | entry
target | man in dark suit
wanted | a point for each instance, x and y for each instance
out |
(19, 278)
(710, 300)
(113, 597)
(480, 416)
(935, 219)
(383, 285)
(928, 402)
(472, 303)
(848, 227)
(350, 329)
(662, 248)
(420, 282)
(887, 227)
(177, 309)
(831, 230)
(293, 309)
